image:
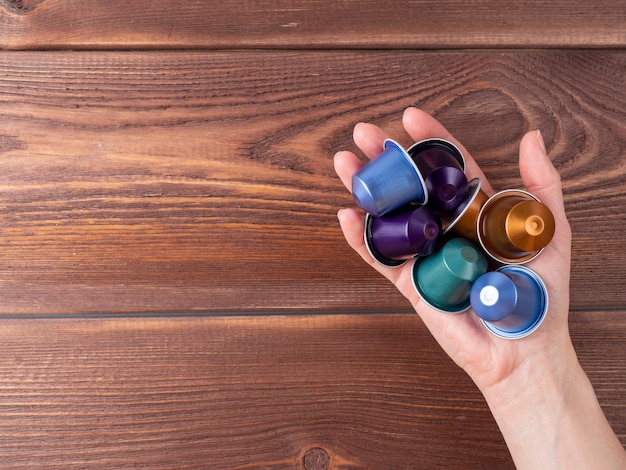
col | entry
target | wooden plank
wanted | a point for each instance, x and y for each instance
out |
(189, 181)
(366, 391)
(98, 24)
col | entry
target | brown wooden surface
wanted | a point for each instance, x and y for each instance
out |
(183, 181)
(174, 288)
(369, 391)
(453, 24)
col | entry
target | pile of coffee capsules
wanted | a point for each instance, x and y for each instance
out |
(468, 249)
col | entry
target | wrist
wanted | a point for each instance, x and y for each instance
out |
(543, 376)
(529, 404)
(549, 415)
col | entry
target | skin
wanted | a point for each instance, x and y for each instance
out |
(535, 387)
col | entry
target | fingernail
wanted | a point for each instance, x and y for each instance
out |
(541, 142)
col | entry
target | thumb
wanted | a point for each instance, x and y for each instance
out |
(539, 175)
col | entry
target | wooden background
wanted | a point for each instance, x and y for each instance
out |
(175, 291)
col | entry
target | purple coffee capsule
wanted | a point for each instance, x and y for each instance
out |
(442, 166)
(407, 232)
(388, 182)
(511, 302)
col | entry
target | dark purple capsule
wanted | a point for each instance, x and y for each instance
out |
(402, 234)
(442, 166)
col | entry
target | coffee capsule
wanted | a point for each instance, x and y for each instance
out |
(462, 221)
(397, 236)
(514, 226)
(442, 166)
(444, 279)
(511, 302)
(388, 182)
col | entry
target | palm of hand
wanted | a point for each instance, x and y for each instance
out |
(486, 358)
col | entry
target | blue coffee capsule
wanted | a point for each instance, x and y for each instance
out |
(388, 182)
(511, 302)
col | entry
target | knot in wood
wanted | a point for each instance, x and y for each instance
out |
(20, 6)
(316, 459)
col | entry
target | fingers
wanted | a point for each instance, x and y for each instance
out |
(346, 164)
(421, 125)
(538, 174)
(352, 226)
(351, 221)
(543, 180)
(369, 138)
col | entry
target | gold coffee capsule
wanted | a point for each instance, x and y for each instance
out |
(514, 226)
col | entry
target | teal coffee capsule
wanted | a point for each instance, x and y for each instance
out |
(444, 279)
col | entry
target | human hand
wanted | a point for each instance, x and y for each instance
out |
(486, 358)
(535, 387)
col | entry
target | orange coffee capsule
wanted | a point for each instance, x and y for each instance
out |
(514, 226)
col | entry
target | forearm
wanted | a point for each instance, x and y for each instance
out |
(549, 416)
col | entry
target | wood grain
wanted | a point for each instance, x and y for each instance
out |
(151, 184)
(115, 24)
(367, 391)
(192, 181)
